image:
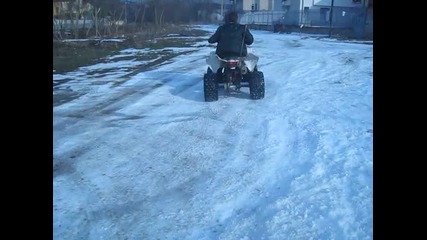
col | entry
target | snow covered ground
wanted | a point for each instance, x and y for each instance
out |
(142, 156)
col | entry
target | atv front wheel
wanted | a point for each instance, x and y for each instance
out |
(256, 85)
(210, 86)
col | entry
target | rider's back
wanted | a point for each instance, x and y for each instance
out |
(232, 39)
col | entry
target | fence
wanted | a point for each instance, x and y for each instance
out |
(261, 17)
(61, 24)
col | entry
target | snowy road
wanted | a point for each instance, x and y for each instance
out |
(142, 156)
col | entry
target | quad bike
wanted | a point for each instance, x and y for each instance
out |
(232, 74)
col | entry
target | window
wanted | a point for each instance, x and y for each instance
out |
(324, 14)
(306, 18)
(254, 7)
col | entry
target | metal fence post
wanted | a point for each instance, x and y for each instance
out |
(330, 18)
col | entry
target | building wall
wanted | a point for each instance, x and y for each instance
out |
(247, 5)
(262, 5)
(279, 5)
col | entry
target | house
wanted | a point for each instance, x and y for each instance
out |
(63, 8)
(309, 12)
(354, 14)
(71, 15)
(344, 12)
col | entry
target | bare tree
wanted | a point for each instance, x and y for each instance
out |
(115, 19)
(74, 17)
(158, 13)
(95, 19)
(158, 8)
(137, 14)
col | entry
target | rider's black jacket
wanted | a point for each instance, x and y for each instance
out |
(230, 38)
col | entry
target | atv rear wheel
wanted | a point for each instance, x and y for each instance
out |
(210, 86)
(256, 85)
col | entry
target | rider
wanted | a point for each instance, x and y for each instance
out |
(232, 38)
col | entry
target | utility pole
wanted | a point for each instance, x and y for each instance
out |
(365, 16)
(222, 9)
(234, 5)
(330, 18)
(301, 14)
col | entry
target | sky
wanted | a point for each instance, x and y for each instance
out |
(140, 155)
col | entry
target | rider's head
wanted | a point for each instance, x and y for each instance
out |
(232, 17)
